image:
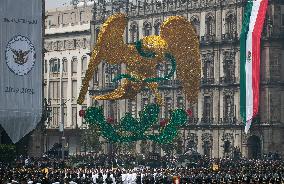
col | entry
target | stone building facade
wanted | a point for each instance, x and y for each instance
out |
(67, 48)
(215, 129)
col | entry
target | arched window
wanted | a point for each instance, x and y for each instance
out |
(196, 24)
(134, 33)
(65, 65)
(147, 28)
(84, 64)
(209, 25)
(74, 65)
(54, 65)
(157, 26)
(230, 24)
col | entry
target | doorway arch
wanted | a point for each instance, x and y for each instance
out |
(254, 147)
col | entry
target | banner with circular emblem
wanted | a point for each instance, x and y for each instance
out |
(20, 66)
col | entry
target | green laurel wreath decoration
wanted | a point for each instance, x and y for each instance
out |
(131, 129)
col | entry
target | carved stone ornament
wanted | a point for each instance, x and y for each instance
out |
(60, 45)
(207, 137)
(228, 92)
(192, 137)
(228, 136)
(229, 55)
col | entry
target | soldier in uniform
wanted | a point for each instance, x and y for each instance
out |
(100, 179)
(108, 179)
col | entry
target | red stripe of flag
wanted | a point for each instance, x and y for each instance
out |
(256, 35)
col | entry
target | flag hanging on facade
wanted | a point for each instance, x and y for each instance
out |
(20, 66)
(254, 16)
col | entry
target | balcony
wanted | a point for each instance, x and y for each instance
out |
(207, 121)
(229, 37)
(229, 121)
(207, 81)
(106, 88)
(227, 80)
(206, 39)
(54, 75)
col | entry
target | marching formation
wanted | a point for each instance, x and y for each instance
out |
(203, 170)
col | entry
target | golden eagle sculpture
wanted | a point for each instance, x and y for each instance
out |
(177, 43)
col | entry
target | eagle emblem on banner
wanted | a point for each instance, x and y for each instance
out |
(20, 55)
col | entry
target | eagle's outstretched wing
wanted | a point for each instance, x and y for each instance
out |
(15, 52)
(110, 47)
(183, 43)
(26, 53)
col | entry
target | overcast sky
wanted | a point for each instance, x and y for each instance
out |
(56, 3)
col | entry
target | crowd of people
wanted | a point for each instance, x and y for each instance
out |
(203, 170)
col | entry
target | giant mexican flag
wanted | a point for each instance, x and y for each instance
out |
(250, 59)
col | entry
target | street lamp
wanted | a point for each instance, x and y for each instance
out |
(62, 126)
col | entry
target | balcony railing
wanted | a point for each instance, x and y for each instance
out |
(229, 37)
(207, 39)
(207, 81)
(228, 121)
(106, 87)
(206, 121)
(227, 80)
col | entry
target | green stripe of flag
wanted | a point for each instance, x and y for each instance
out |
(243, 38)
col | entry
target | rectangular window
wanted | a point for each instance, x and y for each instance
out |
(55, 117)
(207, 107)
(74, 66)
(57, 90)
(50, 93)
(168, 107)
(66, 18)
(96, 77)
(132, 107)
(65, 116)
(54, 90)
(65, 66)
(73, 17)
(74, 89)
(229, 111)
(64, 88)
(282, 19)
(84, 64)
(74, 116)
(45, 66)
(81, 16)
